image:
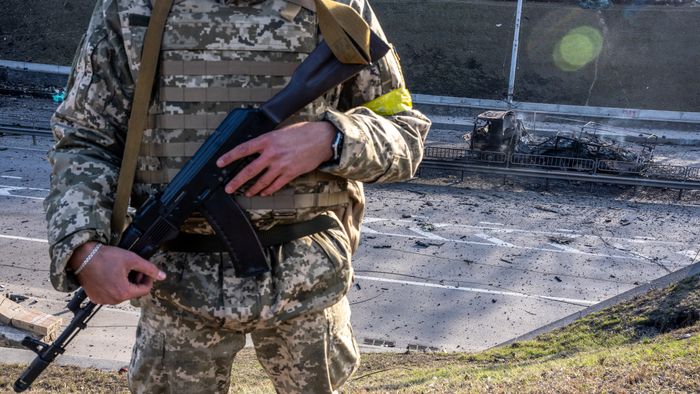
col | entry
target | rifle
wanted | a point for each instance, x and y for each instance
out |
(200, 185)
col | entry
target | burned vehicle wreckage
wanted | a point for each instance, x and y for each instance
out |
(504, 132)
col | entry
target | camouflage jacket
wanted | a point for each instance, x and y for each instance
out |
(383, 142)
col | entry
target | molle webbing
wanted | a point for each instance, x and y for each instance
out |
(217, 95)
(166, 175)
(226, 67)
(170, 149)
(284, 201)
(186, 121)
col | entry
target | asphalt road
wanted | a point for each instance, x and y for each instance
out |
(444, 266)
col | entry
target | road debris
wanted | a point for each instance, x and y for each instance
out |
(561, 240)
(35, 322)
(545, 209)
(422, 244)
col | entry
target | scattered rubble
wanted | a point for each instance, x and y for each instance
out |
(422, 244)
(561, 240)
(15, 319)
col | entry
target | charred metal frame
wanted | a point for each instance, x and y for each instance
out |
(562, 168)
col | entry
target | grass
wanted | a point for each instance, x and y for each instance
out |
(649, 344)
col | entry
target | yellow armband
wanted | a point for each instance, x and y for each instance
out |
(392, 103)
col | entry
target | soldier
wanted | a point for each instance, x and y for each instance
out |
(217, 55)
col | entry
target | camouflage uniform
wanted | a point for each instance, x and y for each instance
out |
(218, 55)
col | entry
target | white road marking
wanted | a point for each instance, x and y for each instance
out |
(504, 244)
(565, 248)
(7, 191)
(22, 188)
(427, 234)
(494, 240)
(476, 290)
(10, 177)
(373, 220)
(566, 233)
(16, 196)
(23, 238)
(367, 230)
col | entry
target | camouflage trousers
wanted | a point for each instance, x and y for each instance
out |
(193, 324)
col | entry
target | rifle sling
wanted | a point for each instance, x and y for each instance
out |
(138, 120)
(346, 33)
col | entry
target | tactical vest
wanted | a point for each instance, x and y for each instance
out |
(211, 63)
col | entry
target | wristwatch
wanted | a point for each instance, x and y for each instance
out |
(337, 147)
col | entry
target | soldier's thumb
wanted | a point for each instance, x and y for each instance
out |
(147, 268)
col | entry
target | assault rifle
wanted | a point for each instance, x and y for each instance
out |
(199, 185)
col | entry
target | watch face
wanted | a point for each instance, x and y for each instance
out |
(337, 146)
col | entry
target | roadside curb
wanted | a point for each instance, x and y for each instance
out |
(664, 281)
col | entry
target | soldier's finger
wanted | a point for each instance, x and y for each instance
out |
(246, 149)
(247, 173)
(275, 186)
(140, 290)
(263, 182)
(147, 268)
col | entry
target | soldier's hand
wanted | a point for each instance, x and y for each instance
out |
(285, 154)
(106, 278)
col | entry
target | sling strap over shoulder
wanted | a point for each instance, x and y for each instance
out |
(138, 120)
(346, 33)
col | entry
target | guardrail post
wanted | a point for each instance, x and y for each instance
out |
(534, 121)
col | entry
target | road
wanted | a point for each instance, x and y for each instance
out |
(442, 266)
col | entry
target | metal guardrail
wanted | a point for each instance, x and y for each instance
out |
(36, 67)
(555, 162)
(23, 130)
(33, 122)
(563, 168)
(561, 109)
(464, 154)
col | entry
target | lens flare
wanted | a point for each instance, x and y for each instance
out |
(577, 48)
